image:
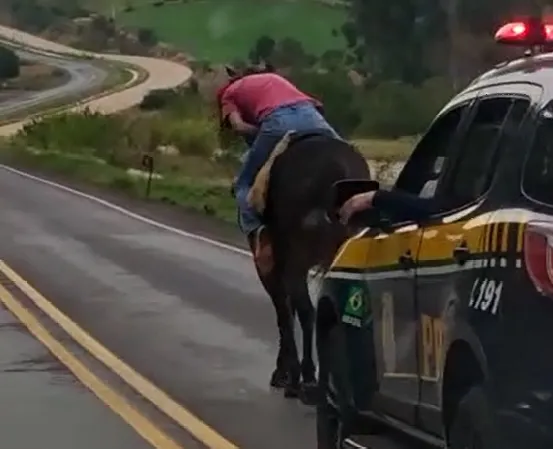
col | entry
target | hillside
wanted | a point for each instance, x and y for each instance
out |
(223, 30)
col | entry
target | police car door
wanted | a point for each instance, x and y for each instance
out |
(391, 281)
(450, 255)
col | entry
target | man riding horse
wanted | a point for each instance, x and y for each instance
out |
(263, 107)
(295, 157)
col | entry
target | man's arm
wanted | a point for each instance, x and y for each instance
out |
(239, 124)
(398, 205)
(403, 205)
(231, 112)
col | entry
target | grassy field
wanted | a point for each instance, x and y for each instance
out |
(224, 30)
(193, 183)
(386, 150)
(211, 196)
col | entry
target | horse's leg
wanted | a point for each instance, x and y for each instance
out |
(306, 313)
(286, 318)
(274, 287)
(300, 301)
(279, 376)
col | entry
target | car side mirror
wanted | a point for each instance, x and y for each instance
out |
(343, 190)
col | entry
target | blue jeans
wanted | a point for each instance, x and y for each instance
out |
(302, 116)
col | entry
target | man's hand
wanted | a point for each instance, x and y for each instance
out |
(356, 204)
(240, 125)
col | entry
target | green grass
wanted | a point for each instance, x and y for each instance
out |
(224, 30)
(386, 150)
(193, 193)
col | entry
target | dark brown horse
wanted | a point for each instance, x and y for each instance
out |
(303, 237)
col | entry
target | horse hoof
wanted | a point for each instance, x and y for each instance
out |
(278, 379)
(309, 393)
(291, 391)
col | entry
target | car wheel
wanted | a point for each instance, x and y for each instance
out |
(333, 408)
(471, 427)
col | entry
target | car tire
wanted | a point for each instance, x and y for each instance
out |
(333, 407)
(471, 426)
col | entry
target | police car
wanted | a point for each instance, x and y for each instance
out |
(443, 328)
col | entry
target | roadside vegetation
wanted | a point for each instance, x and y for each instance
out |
(382, 77)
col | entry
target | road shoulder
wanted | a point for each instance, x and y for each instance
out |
(175, 216)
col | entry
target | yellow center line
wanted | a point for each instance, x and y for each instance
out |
(200, 430)
(104, 392)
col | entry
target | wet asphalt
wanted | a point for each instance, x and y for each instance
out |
(42, 405)
(189, 316)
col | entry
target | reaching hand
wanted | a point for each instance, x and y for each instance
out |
(356, 204)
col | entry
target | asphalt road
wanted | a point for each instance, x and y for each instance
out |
(83, 77)
(189, 316)
(39, 397)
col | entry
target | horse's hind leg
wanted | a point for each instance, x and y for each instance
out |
(279, 378)
(293, 381)
(287, 359)
(299, 296)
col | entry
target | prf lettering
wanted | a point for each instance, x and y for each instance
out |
(432, 346)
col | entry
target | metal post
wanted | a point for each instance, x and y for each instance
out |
(148, 163)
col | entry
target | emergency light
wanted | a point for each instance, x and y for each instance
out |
(528, 33)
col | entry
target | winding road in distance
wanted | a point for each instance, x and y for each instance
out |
(162, 74)
(83, 76)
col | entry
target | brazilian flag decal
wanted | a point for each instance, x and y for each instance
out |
(356, 311)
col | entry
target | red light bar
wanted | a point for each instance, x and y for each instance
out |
(527, 33)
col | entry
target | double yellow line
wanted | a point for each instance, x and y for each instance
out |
(115, 401)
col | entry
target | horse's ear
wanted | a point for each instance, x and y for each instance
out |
(230, 71)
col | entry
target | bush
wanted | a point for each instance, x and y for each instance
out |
(395, 109)
(95, 134)
(192, 136)
(9, 63)
(147, 37)
(336, 92)
(157, 99)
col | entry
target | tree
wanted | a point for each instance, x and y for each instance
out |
(332, 59)
(350, 34)
(263, 49)
(336, 92)
(9, 63)
(290, 53)
(147, 37)
(395, 35)
(30, 15)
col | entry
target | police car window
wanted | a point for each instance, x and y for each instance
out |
(424, 167)
(493, 124)
(538, 171)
